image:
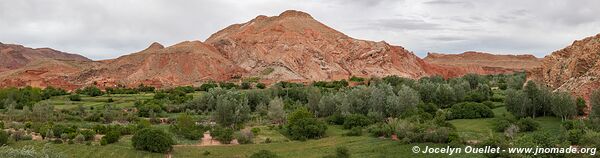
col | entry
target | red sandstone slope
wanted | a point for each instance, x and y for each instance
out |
(16, 56)
(181, 64)
(295, 46)
(22, 66)
(485, 63)
(575, 68)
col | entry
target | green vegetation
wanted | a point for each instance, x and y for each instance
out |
(378, 117)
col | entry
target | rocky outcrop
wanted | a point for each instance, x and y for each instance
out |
(575, 68)
(485, 63)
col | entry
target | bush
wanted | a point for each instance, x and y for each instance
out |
(500, 125)
(75, 97)
(3, 137)
(244, 137)
(88, 134)
(470, 110)
(80, 138)
(303, 125)
(261, 86)
(153, 140)
(110, 100)
(245, 85)
(528, 124)
(186, 127)
(223, 135)
(111, 137)
(356, 120)
(355, 131)
(264, 154)
(255, 130)
(380, 129)
(335, 119)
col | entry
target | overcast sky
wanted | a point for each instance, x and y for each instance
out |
(102, 29)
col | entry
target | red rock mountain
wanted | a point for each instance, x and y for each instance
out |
(295, 46)
(485, 63)
(41, 67)
(185, 63)
(575, 68)
(292, 46)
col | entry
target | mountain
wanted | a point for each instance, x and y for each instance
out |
(575, 68)
(185, 63)
(295, 46)
(485, 63)
(40, 67)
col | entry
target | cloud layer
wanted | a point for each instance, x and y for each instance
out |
(102, 29)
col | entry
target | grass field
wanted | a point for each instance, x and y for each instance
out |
(121, 149)
(360, 146)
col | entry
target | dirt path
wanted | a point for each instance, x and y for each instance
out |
(207, 140)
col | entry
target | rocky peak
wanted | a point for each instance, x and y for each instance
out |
(154, 46)
(294, 14)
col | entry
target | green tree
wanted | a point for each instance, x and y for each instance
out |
(563, 105)
(406, 100)
(595, 103)
(303, 125)
(186, 127)
(232, 110)
(581, 106)
(517, 103)
(153, 140)
(276, 112)
(444, 95)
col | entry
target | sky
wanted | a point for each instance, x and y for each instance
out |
(104, 29)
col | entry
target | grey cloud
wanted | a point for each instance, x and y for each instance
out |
(102, 29)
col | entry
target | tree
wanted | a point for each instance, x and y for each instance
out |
(581, 106)
(314, 96)
(473, 79)
(595, 103)
(444, 95)
(231, 110)
(303, 125)
(517, 103)
(563, 105)
(3, 137)
(42, 111)
(186, 127)
(91, 91)
(406, 100)
(276, 112)
(153, 140)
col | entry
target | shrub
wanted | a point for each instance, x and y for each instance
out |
(244, 137)
(57, 141)
(75, 97)
(355, 131)
(470, 110)
(528, 124)
(88, 134)
(110, 100)
(153, 140)
(223, 135)
(255, 130)
(575, 135)
(264, 154)
(187, 128)
(335, 119)
(111, 137)
(261, 86)
(245, 85)
(356, 120)
(3, 137)
(500, 125)
(380, 129)
(303, 125)
(80, 138)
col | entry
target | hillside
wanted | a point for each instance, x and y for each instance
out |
(485, 63)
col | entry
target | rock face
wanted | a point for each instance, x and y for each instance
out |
(485, 63)
(22, 66)
(295, 46)
(575, 68)
(181, 64)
